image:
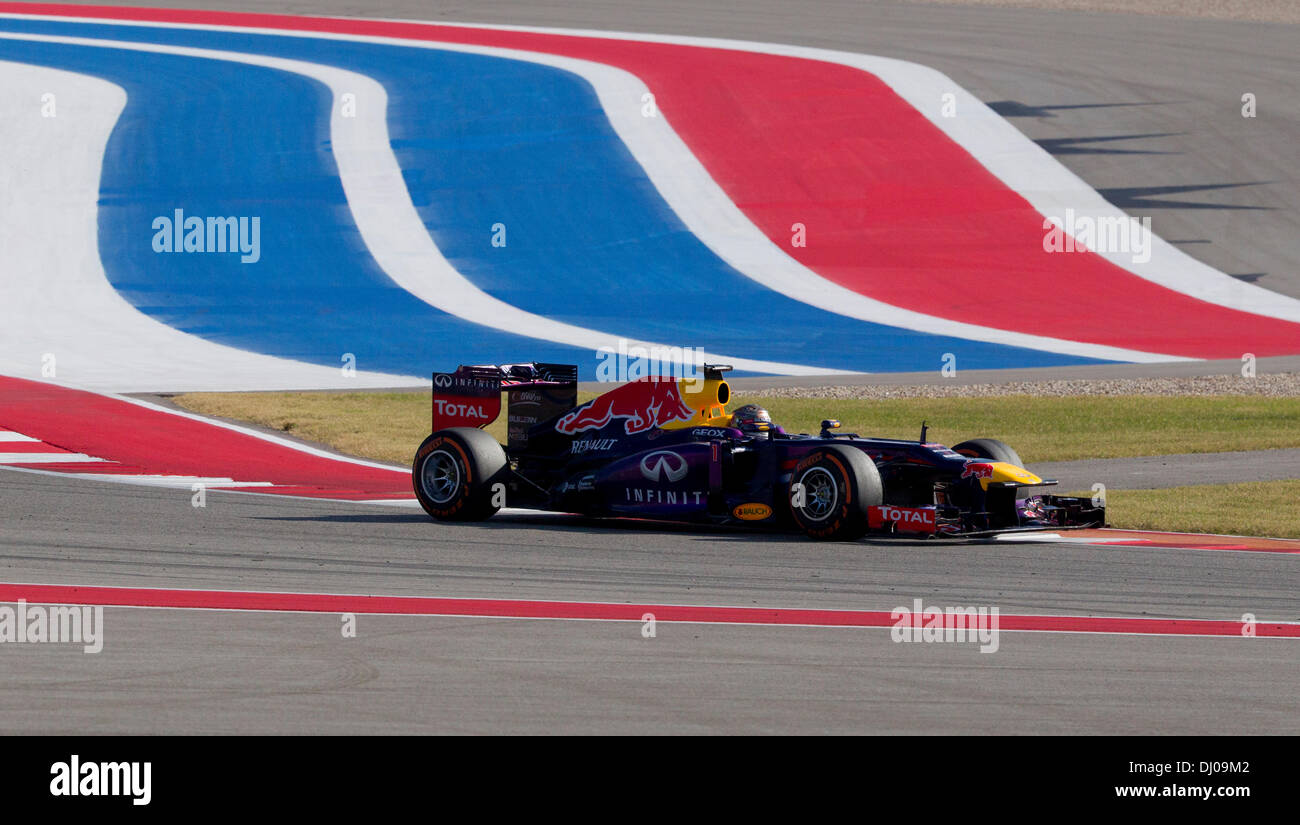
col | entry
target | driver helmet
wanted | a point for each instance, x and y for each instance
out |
(751, 418)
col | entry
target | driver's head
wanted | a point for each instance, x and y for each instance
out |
(751, 418)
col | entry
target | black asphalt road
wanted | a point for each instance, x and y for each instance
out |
(1151, 472)
(202, 671)
(208, 673)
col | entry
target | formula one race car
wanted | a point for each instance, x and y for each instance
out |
(666, 448)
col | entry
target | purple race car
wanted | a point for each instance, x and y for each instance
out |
(666, 448)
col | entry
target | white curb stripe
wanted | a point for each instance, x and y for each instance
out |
(48, 458)
(387, 218)
(57, 307)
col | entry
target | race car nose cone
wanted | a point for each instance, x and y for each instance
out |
(1002, 471)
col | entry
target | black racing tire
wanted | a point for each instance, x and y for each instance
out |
(454, 472)
(993, 450)
(839, 484)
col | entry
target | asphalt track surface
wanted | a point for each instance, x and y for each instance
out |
(1158, 471)
(1167, 90)
(215, 671)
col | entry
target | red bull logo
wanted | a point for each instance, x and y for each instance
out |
(977, 470)
(642, 405)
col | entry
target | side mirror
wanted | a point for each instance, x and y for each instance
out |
(829, 424)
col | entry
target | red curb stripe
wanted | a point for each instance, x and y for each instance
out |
(1119, 537)
(30, 447)
(139, 440)
(520, 609)
(1195, 546)
(104, 467)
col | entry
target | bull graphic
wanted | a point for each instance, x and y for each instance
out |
(642, 405)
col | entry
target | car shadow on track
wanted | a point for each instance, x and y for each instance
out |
(354, 518)
(573, 523)
(515, 520)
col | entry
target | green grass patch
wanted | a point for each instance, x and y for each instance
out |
(384, 426)
(389, 426)
(1063, 429)
(1256, 508)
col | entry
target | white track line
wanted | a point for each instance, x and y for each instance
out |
(701, 203)
(388, 221)
(55, 300)
(47, 458)
(1053, 538)
(212, 485)
(168, 481)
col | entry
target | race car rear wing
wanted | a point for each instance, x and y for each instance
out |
(471, 396)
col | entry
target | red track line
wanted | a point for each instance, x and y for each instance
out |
(7, 447)
(1194, 546)
(522, 609)
(894, 208)
(1118, 537)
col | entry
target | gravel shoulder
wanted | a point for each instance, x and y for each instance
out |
(1282, 385)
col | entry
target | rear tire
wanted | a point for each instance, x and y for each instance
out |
(993, 450)
(838, 484)
(455, 471)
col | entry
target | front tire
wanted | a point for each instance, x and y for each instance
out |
(993, 450)
(835, 486)
(454, 473)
